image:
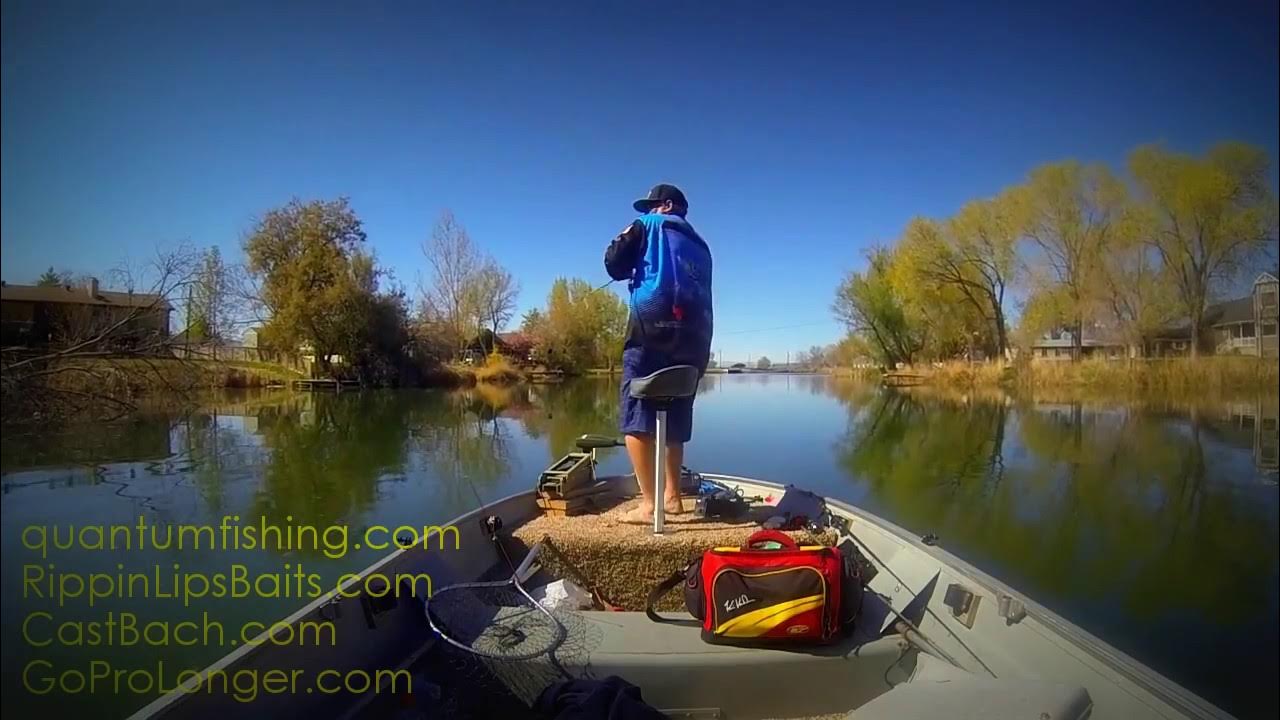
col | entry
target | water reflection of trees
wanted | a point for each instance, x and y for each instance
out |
(465, 441)
(323, 456)
(327, 456)
(567, 410)
(217, 453)
(139, 439)
(1080, 502)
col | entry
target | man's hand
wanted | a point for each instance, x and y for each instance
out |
(624, 253)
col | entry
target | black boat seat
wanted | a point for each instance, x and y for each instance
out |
(590, 442)
(669, 383)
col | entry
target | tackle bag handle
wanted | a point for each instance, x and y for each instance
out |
(777, 536)
(675, 579)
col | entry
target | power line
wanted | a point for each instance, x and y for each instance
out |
(769, 329)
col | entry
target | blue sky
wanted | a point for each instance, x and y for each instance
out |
(800, 134)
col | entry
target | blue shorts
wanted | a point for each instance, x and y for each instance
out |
(637, 416)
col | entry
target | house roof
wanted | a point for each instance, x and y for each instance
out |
(515, 338)
(1223, 313)
(1231, 311)
(79, 295)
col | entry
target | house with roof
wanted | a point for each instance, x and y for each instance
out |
(50, 315)
(516, 346)
(1057, 345)
(1243, 326)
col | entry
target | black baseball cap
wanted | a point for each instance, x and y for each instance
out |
(661, 193)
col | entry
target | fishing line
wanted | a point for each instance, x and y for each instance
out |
(740, 332)
(744, 332)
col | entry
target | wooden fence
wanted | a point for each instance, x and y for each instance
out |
(238, 353)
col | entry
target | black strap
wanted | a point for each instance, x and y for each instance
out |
(656, 594)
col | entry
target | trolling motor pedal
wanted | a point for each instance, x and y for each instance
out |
(574, 471)
(591, 442)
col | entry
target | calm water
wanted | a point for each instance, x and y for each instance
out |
(1153, 527)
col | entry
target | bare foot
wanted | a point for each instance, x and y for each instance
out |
(673, 506)
(638, 516)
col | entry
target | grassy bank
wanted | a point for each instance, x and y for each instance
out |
(105, 388)
(133, 377)
(108, 388)
(1180, 376)
(849, 372)
(496, 370)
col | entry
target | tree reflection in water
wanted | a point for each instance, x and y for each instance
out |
(1079, 501)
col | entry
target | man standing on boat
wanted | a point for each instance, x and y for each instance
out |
(668, 266)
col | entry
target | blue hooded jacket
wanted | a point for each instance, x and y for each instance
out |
(669, 268)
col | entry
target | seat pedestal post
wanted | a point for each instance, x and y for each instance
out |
(659, 469)
(659, 390)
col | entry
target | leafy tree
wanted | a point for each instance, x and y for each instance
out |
(560, 343)
(1137, 296)
(1070, 211)
(850, 351)
(316, 280)
(1044, 311)
(973, 254)
(764, 363)
(605, 320)
(1092, 256)
(53, 278)
(533, 322)
(1212, 215)
(581, 325)
(211, 300)
(947, 322)
(869, 306)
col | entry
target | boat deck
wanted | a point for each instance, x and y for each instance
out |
(625, 561)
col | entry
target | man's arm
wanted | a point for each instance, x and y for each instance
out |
(625, 251)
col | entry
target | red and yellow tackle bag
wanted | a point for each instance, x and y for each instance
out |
(789, 595)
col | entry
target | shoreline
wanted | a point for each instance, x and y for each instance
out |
(1206, 375)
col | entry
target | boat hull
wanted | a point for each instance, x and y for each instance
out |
(996, 640)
